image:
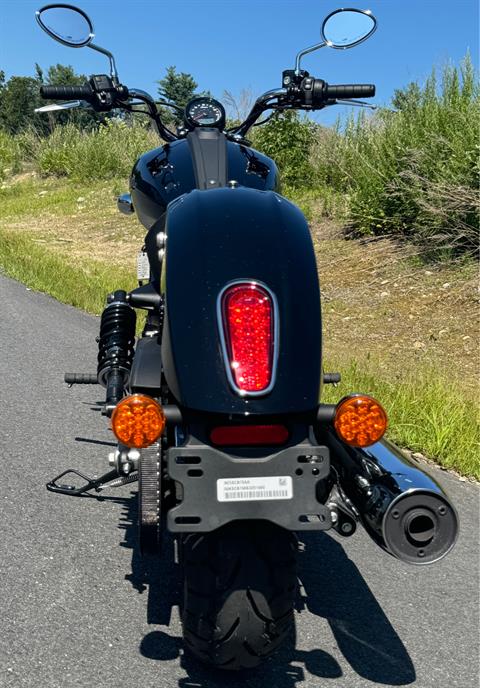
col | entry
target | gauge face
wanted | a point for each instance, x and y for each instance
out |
(205, 112)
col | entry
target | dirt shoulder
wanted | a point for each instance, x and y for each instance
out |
(381, 302)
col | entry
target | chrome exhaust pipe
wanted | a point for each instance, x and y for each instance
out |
(403, 509)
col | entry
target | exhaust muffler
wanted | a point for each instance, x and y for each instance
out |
(402, 508)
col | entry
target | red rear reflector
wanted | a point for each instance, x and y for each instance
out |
(249, 328)
(241, 435)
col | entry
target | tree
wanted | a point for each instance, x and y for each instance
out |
(178, 88)
(18, 99)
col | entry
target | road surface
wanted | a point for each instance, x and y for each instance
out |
(78, 607)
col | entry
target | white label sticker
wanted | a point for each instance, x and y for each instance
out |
(254, 489)
(143, 266)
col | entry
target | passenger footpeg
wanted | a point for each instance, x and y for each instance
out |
(80, 379)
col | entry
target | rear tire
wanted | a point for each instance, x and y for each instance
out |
(239, 590)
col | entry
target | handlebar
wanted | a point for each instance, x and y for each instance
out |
(300, 91)
(84, 92)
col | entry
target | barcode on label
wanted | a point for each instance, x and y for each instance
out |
(254, 489)
(258, 494)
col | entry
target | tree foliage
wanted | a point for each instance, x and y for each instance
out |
(178, 88)
(19, 97)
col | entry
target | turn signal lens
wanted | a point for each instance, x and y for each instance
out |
(138, 421)
(360, 421)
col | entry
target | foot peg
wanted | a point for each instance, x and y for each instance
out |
(81, 379)
(331, 378)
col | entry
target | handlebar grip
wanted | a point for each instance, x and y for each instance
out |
(347, 91)
(66, 92)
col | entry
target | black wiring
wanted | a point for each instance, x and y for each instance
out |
(264, 121)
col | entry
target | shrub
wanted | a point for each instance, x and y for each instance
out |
(287, 139)
(413, 172)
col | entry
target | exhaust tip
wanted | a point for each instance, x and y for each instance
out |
(420, 527)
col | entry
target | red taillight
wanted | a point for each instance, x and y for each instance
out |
(241, 435)
(248, 319)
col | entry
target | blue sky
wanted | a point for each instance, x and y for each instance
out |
(246, 44)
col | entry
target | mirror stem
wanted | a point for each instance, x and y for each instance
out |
(305, 52)
(113, 66)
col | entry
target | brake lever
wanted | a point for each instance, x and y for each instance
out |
(359, 103)
(53, 107)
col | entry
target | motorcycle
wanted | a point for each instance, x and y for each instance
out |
(216, 405)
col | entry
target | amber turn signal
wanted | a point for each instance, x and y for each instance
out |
(360, 420)
(138, 421)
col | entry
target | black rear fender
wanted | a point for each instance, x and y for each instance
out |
(224, 235)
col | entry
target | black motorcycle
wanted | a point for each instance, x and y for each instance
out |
(216, 406)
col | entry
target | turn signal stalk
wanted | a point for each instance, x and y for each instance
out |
(138, 421)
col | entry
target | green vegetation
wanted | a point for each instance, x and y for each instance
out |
(287, 138)
(83, 285)
(426, 413)
(104, 153)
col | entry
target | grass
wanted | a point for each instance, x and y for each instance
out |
(425, 413)
(83, 285)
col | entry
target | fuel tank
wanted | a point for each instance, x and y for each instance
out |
(219, 236)
(163, 174)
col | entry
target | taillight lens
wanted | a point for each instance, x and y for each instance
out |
(248, 319)
(138, 421)
(360, 420)
(249, 435)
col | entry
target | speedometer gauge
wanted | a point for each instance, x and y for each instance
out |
(205, 112)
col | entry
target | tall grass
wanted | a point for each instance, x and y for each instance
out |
(10, 155)
(104, 153)
(426, 413)
(413, 172)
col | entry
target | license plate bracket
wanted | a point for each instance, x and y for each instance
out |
(199, 468)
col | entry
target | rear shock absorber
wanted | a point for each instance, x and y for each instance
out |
(116, 348)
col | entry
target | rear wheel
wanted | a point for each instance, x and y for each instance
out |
(239, 591)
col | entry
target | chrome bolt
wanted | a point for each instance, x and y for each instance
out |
(346, 527)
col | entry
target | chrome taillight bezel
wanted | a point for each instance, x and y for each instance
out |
(223, 339)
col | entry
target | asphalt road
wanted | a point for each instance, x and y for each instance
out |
(78, 606)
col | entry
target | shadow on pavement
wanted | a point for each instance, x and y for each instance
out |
(331, 587)
(335, 590)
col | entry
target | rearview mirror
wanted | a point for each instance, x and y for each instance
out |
(67, 24)
(345, 28)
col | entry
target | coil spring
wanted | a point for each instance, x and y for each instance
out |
(117, 338)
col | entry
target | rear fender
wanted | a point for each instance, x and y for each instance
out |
(217, 237)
